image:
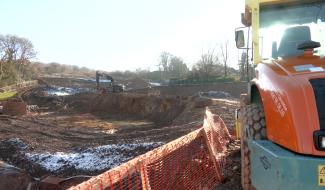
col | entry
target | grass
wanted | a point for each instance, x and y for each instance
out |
(7, 95)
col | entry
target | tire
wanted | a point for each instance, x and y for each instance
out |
(253, 127)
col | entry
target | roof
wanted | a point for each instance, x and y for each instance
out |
(279, 2)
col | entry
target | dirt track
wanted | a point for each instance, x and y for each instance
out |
(89, 123)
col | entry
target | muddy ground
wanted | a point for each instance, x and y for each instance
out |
(60, 134)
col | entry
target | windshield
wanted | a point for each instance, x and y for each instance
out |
(284, 28)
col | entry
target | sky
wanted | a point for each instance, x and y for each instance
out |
(122, 34)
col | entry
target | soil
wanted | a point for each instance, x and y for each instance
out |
(80, 122)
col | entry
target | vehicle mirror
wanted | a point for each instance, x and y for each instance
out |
(240, 38)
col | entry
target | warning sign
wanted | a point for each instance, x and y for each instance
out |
(321, 170)
(321, 175)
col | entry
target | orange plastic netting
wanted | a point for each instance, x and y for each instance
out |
(194, 161)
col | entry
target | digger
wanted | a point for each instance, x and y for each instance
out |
(112, 87)
(282, 116)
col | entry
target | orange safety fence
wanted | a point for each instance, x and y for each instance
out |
(194, 161)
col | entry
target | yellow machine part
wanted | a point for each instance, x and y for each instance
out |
(237, 124)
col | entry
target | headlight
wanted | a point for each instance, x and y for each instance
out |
(319, 140)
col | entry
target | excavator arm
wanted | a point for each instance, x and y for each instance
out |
(112, 86)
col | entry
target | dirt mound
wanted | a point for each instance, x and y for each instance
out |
(160, 110)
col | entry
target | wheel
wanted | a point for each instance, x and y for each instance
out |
(252, 121)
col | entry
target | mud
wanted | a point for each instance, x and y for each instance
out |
(59, 132)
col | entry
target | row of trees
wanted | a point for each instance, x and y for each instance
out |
(61, 69)
(211, 65)
(16, 55)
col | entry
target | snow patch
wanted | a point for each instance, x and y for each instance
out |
(64, 91)
(91, 159)
(155, 83)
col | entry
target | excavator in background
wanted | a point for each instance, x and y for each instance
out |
(282, 116)
(112, 87)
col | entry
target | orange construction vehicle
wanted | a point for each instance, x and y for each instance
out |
(282, 117)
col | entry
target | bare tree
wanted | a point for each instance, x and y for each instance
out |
(15, 50)
(2, 55)
(164, 60)
(172, 66)
(243, 66)
(224, 54)
(159, 65)
(207, 64)
(177, 67)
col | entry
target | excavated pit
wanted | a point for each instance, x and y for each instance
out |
(86, 133)
(160, 110)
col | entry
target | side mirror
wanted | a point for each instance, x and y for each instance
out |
(240, 39)
(274, 50)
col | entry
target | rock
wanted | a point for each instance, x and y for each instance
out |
(14, 178)
(32, 108)
(50, 183)
(235, 168)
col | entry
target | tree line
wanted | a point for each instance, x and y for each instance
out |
(213, 65)
(17, 55)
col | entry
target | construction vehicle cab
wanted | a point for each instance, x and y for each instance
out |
(283, 118)
(111, 86)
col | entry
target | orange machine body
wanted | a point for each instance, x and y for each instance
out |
(289, 101)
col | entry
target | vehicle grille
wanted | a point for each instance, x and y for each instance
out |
(319, 91)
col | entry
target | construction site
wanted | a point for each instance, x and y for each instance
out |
(261, 127)
(68, 131)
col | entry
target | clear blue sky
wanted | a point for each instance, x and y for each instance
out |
(121, 34)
